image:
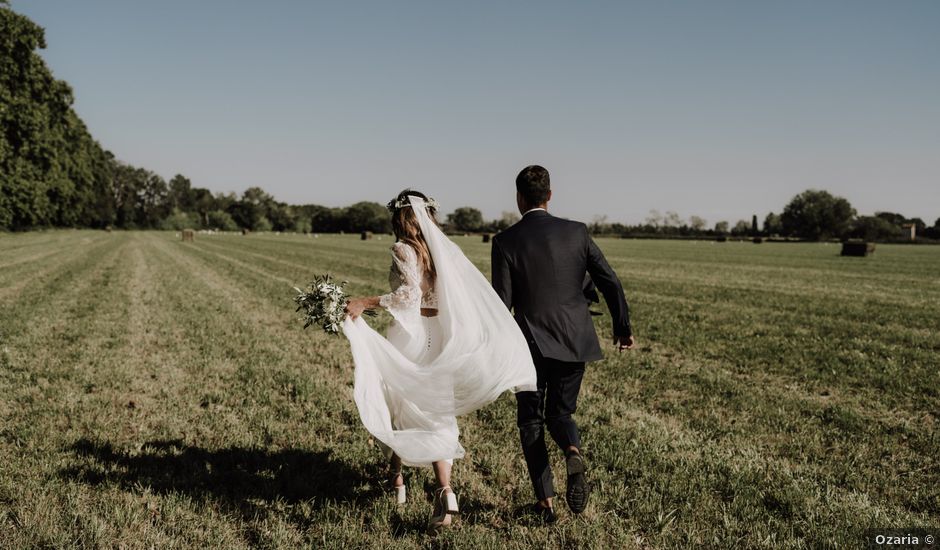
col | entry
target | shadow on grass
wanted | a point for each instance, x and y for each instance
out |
(472, 512)
(235, 477)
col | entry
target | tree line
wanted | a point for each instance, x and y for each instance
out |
(53, 173)
(811, 215)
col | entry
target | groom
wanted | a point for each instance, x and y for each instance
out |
(539, 270)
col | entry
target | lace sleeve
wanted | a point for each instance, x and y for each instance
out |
(405, 280)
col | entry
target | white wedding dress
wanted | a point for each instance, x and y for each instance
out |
(410, 387)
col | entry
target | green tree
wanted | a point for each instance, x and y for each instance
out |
(721, 227)
(741, 228)
(139, 197)
(368, 216)
(98, 209)
(152, 200)
(816, 215)
(772, 224)
(506, 219)
(324, 219)
(223, 201)
(671, 219)
(203, 203)
(263, 224)
(302, 224)
(181, 193)
(251, 211)
(891, 217)
(51, 170)
(220, 220)
(247, 214)
(281, 216)
(466, 218)
(257, 196)
(697, 223)
(933, 232)
(874, 228)
(654, 220)
(179, 220)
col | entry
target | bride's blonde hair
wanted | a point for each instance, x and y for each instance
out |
(406, 228)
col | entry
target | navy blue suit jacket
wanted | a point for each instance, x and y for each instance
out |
(539, 268)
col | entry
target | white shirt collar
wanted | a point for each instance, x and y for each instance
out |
(533, 210)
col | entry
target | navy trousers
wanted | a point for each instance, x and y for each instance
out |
(552, 405)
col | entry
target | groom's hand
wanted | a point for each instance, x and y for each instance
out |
(624, 342)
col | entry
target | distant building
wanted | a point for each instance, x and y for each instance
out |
(911, 229)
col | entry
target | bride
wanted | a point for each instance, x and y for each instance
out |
(452, 348)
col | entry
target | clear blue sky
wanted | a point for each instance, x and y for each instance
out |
(717, 109)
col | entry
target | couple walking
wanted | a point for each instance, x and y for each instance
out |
(454, 347)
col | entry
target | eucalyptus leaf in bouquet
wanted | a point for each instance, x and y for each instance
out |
(323, 303)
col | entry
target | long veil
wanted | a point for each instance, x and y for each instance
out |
(483, 354)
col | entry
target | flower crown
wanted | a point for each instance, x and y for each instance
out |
(403, 202)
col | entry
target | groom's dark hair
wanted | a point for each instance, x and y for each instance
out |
(534, 185)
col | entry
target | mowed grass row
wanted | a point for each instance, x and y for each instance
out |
(161, 393)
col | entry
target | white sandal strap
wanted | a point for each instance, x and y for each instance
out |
(448, 499)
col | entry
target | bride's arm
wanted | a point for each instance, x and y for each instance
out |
(356, 306)
(408, 293)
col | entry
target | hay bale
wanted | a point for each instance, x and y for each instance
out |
(861, 249)
(189, 235)
(245, 231)
(757, 240)
(366, 235)
(486, 237)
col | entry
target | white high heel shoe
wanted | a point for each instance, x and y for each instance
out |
(445, 504)
(401, 495)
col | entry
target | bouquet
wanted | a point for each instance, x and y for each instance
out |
(324, 303)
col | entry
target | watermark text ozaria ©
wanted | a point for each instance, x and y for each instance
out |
(901, 538)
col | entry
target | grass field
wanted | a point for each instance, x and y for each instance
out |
(162, 394)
